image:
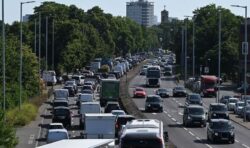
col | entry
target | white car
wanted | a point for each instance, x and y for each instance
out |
(56, 135)
(118, 112)
(238, 107)
(231, 103)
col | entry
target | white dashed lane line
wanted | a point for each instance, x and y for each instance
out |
(165, 112)
(191, 133)
(208, 146)
(154, 113)
(178, 123)
(198, 138)
(173, 119)
(236, 141)
(245, 146)
(185, 129)
(180, 113)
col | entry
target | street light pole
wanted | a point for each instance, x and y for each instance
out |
(35, 38)
(185, 53)
(244, 52)
(53, 45)
(46, 58)
(219, 56)
(182, 49)
(3, 56)
(194, 46)
(21, 51)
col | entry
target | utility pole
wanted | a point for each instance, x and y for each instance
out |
(35, 38)
(185, 56)
(219, 57)
(182, 50)
(53, 44)
(3, 56)
(46, 59)
(193, 46)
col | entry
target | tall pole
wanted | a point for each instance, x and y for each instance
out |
(3, 52)
(53, 45)
(185, 56)
(39, 46)
(246, 51)
(21, 56)
(182, 50)
(35, 38)
(193, 46)
(46, 59)
(219, 57)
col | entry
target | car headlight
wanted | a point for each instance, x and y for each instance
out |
(214, 114)
(149, 105)
(232, 133)
(216, 134)
(189, 118)
(203, 117)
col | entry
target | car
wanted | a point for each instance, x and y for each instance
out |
(153, 103)
(118, 112)
(224, 99)
(120, 121)
(194, 99)
(60, 102)
(111, 106)
(70, 89)
(72, 82)
(89, 87)
(217, 110)
(194, 115)
(54, 135)
(84, 98)
(220, 130)
(62, 115)
(179, 91)
(55, 126)
(231, 103)
(86, 91)
(247, 110)
(238, 107)
(139, 92)
(164, 93)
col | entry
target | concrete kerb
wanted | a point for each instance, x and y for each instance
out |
(126, 102)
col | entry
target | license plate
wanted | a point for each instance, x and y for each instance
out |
(224, 138)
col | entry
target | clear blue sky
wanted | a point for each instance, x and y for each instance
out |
(176, 8)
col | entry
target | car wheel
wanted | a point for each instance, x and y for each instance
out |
(232, 140)
(208, 139)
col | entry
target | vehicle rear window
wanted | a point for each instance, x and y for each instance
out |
(61, 112)
(220, 125)
(141, 143)
(196, 111)
(153, 99)
(139, 89)
(61, 104)
(218, 108)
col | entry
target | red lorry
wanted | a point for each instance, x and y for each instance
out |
(209, 85)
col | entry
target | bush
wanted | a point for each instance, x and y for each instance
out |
(104, 69)
(22, 117)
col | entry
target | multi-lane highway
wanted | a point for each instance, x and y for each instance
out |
(182, 137)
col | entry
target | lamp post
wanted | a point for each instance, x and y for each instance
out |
(194, 17)
(182, 48)
(219, 56)
(244, 52)
(3, 58)
(185, 75)
(53, 44)
(21, 50)
(46, 44)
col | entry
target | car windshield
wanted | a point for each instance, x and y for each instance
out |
(162, 90)
(179, 88)
(218, 108)
(220, 125)
(153, 99)
(247, 108)
(195, 97)
(233, 101)
(59, 112)
(196, 111)
(241, 104)
(139, 89)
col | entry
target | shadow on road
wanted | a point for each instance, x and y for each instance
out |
(175, 125)
(46, 116)
(41, 139)
(44, 125)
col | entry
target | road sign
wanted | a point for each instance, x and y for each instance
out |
(206, 70)
(244, 48)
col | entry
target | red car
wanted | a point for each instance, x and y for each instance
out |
(139, 92)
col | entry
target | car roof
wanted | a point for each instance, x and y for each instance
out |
(118, 111)
(125, 116)
(61, 107)
(112, 102)
(143, 123)
(57, 130)
(217, 104)
(61, 100)
(195, 106)
(220, 120)
(154, 96)
(56, 124)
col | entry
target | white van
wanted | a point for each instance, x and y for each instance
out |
(88, 107)
(56, 135)
(141, 132)
(119, 68)
(85, 98)
(99, 126)
(49, 77)
(61, 93)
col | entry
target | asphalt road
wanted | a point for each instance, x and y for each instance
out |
(182, 137)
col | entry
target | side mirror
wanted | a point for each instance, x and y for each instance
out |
(165, 136)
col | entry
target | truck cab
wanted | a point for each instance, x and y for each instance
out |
(208, 85)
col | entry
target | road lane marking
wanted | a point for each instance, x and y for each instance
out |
(209, 146)
(198, 138)
(173, 98)
(177, 101)
(185, 129)
(236, 141)
(154, 113)
(173, 119)
(178, 123)
(191, 133)
(180, 113)
(165, 112)
(32, 137)
(180, 104)
(169, 116)
(40, 129)
(244, 145)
